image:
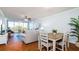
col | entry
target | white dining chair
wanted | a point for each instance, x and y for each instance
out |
(64, 42)
(44, 42)
(4, 39)
(60, 42)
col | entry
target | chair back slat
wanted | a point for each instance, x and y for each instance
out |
(44, 38)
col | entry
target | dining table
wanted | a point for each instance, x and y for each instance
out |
(54, 37)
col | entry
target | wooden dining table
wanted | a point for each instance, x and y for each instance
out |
(55, 37)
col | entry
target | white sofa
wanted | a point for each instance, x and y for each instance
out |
(30, 36)
(3, 39)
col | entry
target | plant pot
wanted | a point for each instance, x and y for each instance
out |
(77, 44)
(54, 33)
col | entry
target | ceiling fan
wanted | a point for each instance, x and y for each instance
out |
(27, 19)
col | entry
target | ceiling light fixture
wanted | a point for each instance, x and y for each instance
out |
(27, 19)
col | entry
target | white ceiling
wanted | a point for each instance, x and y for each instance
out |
(34, 12)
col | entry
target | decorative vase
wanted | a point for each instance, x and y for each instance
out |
(54, 33)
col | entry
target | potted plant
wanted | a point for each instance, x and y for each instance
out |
(54, 31)
(75, 30)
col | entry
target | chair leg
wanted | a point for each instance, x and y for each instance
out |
(66, 46)
(62, 47)
(47, 48)
(40, 47)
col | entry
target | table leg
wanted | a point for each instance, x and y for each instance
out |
(54, 45)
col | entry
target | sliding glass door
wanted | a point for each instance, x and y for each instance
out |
(17, 26)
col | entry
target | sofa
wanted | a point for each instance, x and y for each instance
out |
(3, 39)
(30, 36)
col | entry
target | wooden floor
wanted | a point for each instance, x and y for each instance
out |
(72, 47)
(18, 45)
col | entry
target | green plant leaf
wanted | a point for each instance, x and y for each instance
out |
(75, 23)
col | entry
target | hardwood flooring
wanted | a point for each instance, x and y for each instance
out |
(72, 47)
(18, 45)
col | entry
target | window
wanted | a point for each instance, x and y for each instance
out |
(25, 25)
(11, 24)
(31, 25)
(15, 26)
(0, 21)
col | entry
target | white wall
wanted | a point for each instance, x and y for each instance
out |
(4, 19)
(59, 21)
